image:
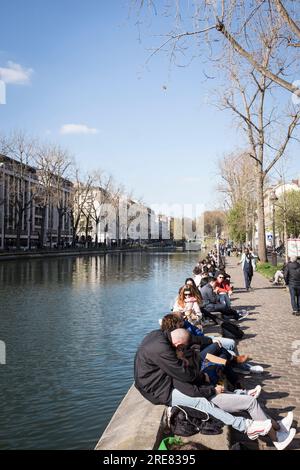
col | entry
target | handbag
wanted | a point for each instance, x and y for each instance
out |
(186, 421)
(229, 330)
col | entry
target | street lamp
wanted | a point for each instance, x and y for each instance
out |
(273, 199)
(3, 209)
(283, 208)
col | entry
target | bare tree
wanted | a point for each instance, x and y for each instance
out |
(267, 125)
(54, 165)
(22, 181)
(249, 41)
(81, 195)
(237, 174)
(237, 23)
(101, 197)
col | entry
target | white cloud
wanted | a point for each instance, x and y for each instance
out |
(77, 129)
(15, 73)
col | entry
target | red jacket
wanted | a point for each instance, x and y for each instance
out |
(223, 286)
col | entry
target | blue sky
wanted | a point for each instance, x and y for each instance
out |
(86, 66)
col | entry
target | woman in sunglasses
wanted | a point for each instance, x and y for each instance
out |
(189, 301)
(223, 289)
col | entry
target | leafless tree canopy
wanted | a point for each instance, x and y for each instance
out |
(206, 27)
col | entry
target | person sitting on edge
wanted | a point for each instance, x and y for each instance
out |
(175, 320)
(164, 379)
(212, 304)
(207, 317)
(278, 277)
(189, 301)
(223, 289)
(197, 276)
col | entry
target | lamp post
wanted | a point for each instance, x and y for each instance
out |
(273, 199)
(3, 209)
(218, 246)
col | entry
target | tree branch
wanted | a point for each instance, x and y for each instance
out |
(282, 148)
(263, 70)
(285, 15)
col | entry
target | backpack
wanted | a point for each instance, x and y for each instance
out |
(229, 330)
(186, 421)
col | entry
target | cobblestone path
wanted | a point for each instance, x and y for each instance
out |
(272, 339)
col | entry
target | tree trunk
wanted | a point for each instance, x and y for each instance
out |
(19, 228)
(74, 229)
(43, 223)
(51, 224)
(60, 216)
(87, 231)
(262, 251)
(96, 236)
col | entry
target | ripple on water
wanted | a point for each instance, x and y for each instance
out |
(71, 328)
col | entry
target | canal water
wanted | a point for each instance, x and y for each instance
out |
(71, 327)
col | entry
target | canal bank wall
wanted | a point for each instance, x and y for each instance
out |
(137, 424)
(58, 253)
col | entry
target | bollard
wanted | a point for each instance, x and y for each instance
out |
(274, 258)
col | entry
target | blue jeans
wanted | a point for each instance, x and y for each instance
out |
(206, 406)
(225, 300)
(227, 343)
(295, 298)
(248, 278)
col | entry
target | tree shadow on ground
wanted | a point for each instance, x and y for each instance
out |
(250, 307)
(241, 322)
(269, 288)
(274, 395)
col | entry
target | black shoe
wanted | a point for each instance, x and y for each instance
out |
(295, 312)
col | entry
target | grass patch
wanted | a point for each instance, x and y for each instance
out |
(267, 269)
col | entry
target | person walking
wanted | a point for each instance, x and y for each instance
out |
(292, 279)
(247, 266)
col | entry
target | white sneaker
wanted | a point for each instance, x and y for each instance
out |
(258, 428)
(169, 412)
(284, 438)
(255, 392)
(243, 315)
(286, 423)
(256, 369)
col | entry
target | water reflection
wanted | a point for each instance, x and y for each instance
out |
(71, 328)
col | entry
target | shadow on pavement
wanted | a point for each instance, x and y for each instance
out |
(249, 336)
(274, 395)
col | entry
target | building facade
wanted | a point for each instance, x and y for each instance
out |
(26, 220)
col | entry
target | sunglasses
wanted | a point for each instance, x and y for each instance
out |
(187, 293)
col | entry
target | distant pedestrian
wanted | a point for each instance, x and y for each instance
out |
(247, 265)
(292, 279)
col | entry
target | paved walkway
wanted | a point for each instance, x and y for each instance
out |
(271, 333)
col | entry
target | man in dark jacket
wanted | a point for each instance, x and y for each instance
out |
(211, 301)
(163, 378)
(292, 279)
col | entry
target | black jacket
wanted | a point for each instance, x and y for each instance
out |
(157, 371)
(292, 274)
(208, 295)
